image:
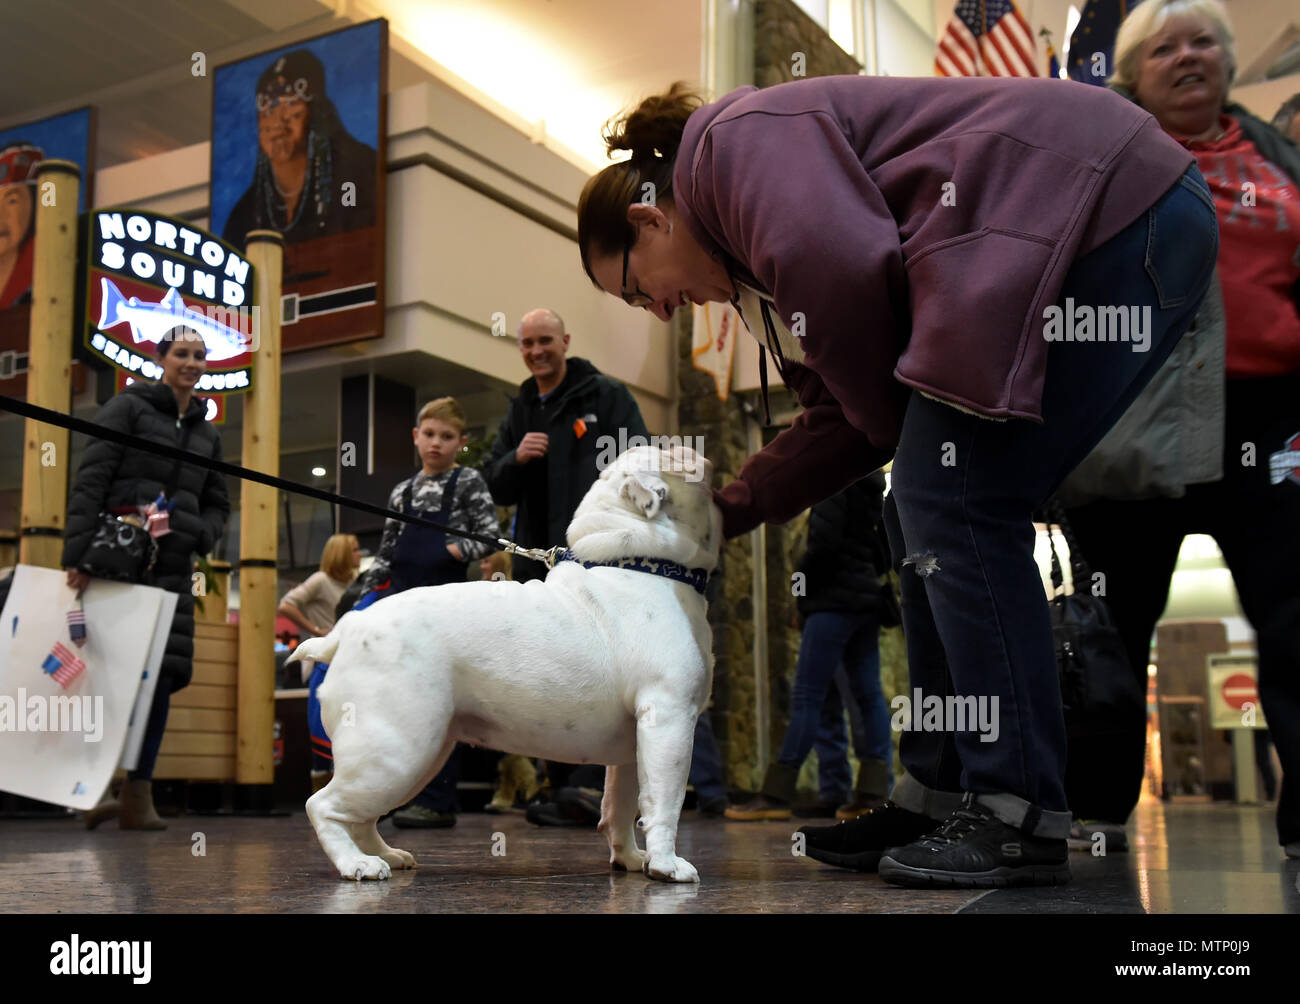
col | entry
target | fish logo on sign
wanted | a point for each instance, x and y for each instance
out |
(1285, 464)
(151, 321)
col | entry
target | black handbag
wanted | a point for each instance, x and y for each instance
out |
(123, 549)
(1096, 676)
(120, 550)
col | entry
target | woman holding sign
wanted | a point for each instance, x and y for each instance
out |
(185, 509)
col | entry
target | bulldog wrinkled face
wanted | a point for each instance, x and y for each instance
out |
(670, 485)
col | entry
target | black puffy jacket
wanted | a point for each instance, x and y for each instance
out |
(846, 553)
(113, 475)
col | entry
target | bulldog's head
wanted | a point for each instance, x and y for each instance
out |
(650, 502)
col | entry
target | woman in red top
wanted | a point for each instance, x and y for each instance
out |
(1177, 61)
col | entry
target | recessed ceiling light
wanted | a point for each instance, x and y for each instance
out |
(318, 471)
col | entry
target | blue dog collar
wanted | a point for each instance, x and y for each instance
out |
(696, 578)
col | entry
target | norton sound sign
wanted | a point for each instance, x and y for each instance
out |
(147, 274)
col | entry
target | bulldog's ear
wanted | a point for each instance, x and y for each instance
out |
(645, 492)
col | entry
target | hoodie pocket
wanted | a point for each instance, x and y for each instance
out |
(970, 299)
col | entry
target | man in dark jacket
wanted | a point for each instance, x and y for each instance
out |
(568, 419)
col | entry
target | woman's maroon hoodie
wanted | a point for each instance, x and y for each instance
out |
(921, 227)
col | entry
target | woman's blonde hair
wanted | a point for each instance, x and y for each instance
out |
(336, 559)
(444, 409)
(1149, 17)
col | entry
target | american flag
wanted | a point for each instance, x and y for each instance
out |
(63, 665)
(987, 38)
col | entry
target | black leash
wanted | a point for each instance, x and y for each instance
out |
(39, 414)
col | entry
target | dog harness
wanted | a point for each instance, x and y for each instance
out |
(696, 578)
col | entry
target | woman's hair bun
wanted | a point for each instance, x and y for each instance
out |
(654, 127)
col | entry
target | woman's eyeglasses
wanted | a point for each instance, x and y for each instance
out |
(636, 298)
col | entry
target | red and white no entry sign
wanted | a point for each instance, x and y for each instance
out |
(1238, 689)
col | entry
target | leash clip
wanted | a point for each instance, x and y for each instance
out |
(548, 557)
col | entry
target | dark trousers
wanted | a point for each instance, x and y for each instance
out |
(153, 732)
(832, 640)
(834, 778)
(707, 776)
(1264, 761)
(439, 795)
(959, 519)
(1257, 526)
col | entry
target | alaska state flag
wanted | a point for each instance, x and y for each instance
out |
(1092, 46)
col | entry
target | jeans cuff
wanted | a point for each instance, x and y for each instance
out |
(912, 795)
(1027, 817)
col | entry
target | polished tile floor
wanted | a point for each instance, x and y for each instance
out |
(1184, 859)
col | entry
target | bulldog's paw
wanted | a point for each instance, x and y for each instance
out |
(628, 859)
(399, 859)
(367, 866)
(670, 868)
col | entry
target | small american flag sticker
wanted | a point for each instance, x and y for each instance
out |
(63, 665)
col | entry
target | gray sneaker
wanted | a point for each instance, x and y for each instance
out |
(1083, 831)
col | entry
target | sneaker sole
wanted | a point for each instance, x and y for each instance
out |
(897, 873)
(863, 861)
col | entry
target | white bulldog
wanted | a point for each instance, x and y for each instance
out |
(601, 665)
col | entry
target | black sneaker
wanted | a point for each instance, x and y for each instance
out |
(544, 812)
(859, 843)
(582, 805)
(975, 849)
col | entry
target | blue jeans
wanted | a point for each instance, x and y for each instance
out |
(959, 523)
(829, 640)
(154, 727)
(834, 778)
